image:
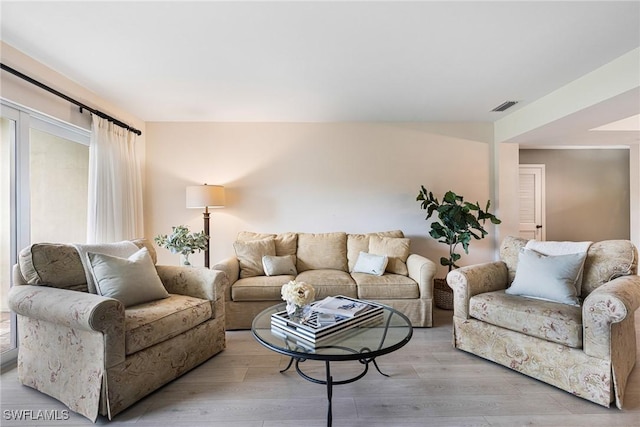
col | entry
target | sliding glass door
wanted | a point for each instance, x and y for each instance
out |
(8, 138)
(44, 178)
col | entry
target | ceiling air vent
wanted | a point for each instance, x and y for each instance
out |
(504, 106)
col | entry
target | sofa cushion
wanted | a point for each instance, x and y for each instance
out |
(329, 283)
(55, 265)
(388, 286)
(132, 280)
(395, 248)
(279, 265)
(551, 321)
(260, 288)
(357, 243)
(250, 253)
(548, 277)
(286, 243)
(157, 321)
(322, 251)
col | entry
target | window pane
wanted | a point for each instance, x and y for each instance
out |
(58, 174)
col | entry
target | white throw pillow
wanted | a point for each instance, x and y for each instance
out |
(132, 280)
(371, 264)
(279, 265)
(551, 278)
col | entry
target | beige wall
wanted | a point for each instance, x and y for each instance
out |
(508, 191)
(587, 193)
(354, 177)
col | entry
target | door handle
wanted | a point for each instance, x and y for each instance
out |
(538, 226)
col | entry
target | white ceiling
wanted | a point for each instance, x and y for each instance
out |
(322, 61)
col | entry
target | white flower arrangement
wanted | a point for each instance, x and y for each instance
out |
(298, 294)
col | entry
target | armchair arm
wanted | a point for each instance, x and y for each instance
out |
(422, 270)
(610, 303)
(231, 267)
(75, 310)
(473, 280)
(195, 282)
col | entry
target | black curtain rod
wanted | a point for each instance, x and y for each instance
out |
(69, 99)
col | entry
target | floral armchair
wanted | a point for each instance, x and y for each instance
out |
(587, 349)
(98, 355)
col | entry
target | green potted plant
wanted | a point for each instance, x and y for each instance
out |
(458, 223)
(180, 241)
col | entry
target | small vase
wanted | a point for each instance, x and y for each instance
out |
(296, 312)
(184, 260)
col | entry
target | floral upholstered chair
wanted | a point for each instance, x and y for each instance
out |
(509, 313)
(100, 347)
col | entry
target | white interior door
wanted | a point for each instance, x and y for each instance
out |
(532, 194)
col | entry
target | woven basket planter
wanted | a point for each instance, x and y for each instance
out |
(442, 294)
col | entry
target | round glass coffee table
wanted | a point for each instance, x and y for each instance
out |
(363, 343)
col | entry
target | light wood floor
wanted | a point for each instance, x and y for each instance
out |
(431, 384)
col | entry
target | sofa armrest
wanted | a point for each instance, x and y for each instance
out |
(194, 282)
(422, 270)
(473, 280)
(74, 310)
(231, 267)
(610, 303)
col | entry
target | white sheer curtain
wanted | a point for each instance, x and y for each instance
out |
(115, 184)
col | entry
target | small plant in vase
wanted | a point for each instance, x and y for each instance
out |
(182, 242)
(459, 223)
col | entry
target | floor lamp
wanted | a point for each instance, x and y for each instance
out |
(205, 196)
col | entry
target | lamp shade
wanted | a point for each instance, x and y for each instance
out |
(205, 196)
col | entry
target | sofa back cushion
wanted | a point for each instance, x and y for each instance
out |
(250, 254)
(322, 251)
(51, 264)
(395, 248)
(58, 265)
(605, 261)
(286, 243)
(357, 243)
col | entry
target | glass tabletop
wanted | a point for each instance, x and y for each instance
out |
(390, 332)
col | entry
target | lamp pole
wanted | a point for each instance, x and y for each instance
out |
(206, 231)
(205, 196)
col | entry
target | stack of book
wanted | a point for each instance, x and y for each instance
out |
(326, 320)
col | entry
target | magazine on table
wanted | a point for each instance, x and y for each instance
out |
(341, 306)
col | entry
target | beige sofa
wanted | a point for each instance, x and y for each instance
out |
(587, 349)
(326, 261)
(92, 353)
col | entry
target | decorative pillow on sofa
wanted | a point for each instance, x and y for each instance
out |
(279, 265)
(132, 280)
(371, 264)
(250, 255)
(395, 248)
(550, 278)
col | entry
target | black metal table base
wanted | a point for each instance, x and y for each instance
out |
(329, 378)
